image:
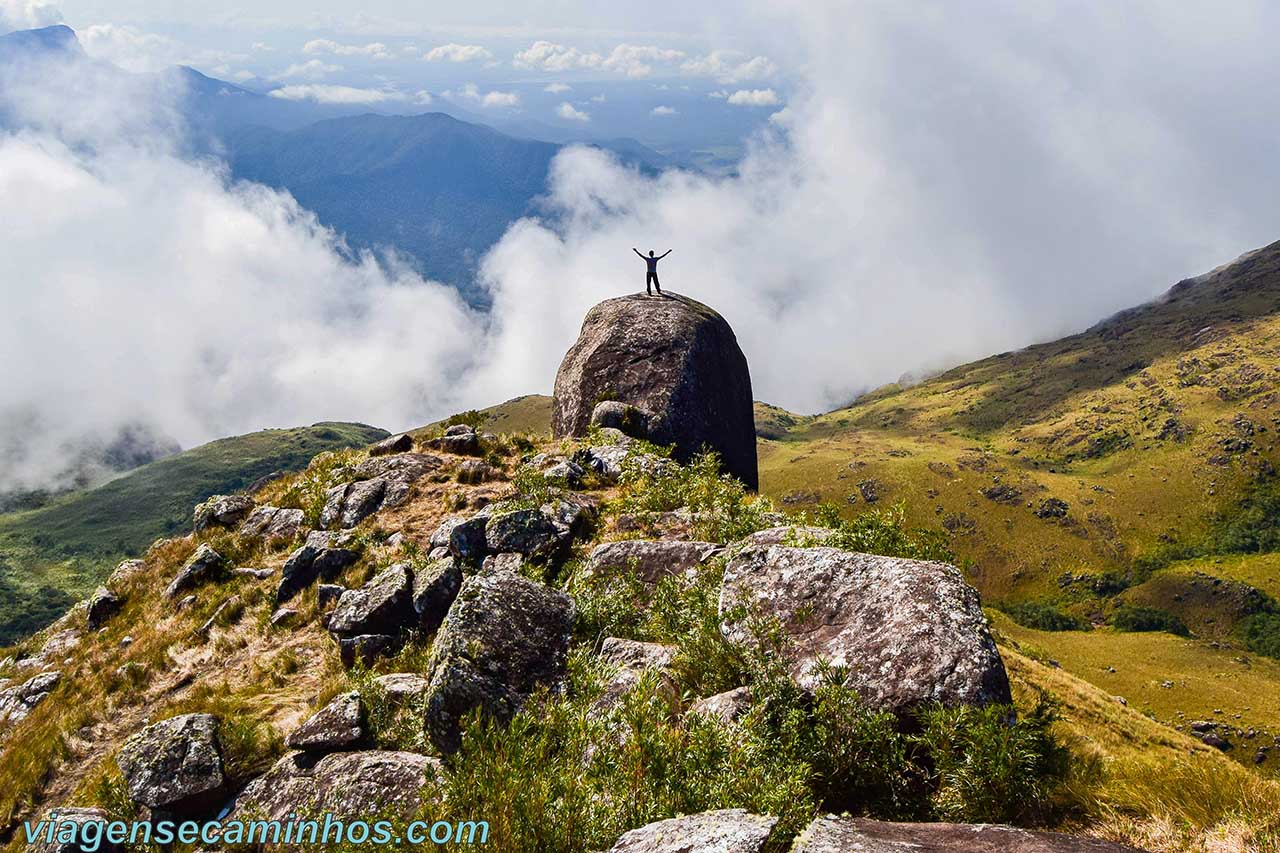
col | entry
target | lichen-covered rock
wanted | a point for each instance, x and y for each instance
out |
(790, 534)
(632, 659)
(175, 766)
(467, 540)
(103, 604)
(328, 594)
(723, 831)
(610, 461)
(348, 785)
(382, 606)
(202, 566)
(504, 636)
(17, 702)
(126, 571)
(906, 632)
(727, 707)
(833, 834)
(435, 586)
(273, 523)
(673, 358)
(649, 560)
(66, 827)
(402, 443)
(459, 438)
(319, 556)
(222, 511)
(365, 649)
(530, 532)
(401, 687)
(338, 725)
(381, 482)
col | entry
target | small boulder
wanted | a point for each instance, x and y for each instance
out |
(328, 594)
(337, 726)
(103, 604)
(435, 586)
(460, 439)
(17, 702)
(833, 834)
(126, 571)
(402, 687)
(504, 636)
(382, 606)
(724, 831)
(175, 766)
(202, 566)
(222, 511)
(530, 532)
(473, 472)
(283, 617)
(727, 707)
(273, 524)
(318, 557)
(649, 560)
(1216, 741)
(440, 536)
(906, 632)
(365, 649)
(467, 540)
(402, 443)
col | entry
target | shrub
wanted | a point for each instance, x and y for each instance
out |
(722, 508)
(1262, 634)
(1043, 617)
(472, 418)
(883, 532)
(1138, 618)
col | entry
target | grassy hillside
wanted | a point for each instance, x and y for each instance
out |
(51, 556)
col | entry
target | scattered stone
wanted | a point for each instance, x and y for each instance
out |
(256, 574)
(833, 834)
(175, 766)
(673, 358)
(400, 472)
(724, 831)
(273, 524)
(459, 439)
(1052, 508)
(17, 703)
(908, 632)
(435, 586)
(504, 636)
(348, 785)
(649, 560)
(318, 557)
(125, 572)
(474, 472)
(1003, 493)
(1200, 726)
(440, 536)
(202, 566)
(395, 444)
(382, 606)
(871, 490)
(222, 511)
(402, 687)
(727, 707)
(102, 606)
(1215, 740)
(283, 617)
(337, 726)
(207, 628)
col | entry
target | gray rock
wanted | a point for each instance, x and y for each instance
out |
(273, 524)
(283, 617)
(103, 604)
(327, 594)
(222, 511)
(402, 443)
(440, 536)
(318, 557)
(907, 632)
(724, 831)
(362, 500)
(474, 472)
(402, 687)
(255, 574)
(381, 482)
(175, 766)
(126, 571)
(674, 358)
(365, 649)
(337, 726)
(348, 785)
(399, 470)
(1216, 741)
(833, 834)
(790, 534)
(382, 606)
(625, 418)
(649, 560)
(633, 659)
(17, 702)
(530, 532)
(467, 541)
(435, 586)
(727, 707)
(202, 566)
(502, 563)
(460, 439)
(73, 819)
(504, 636)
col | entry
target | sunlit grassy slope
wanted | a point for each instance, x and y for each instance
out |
(51, 556)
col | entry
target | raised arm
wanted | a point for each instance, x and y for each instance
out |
(664, 254)
(637, 251)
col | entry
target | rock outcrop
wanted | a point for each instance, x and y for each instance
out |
(273, 523)
(504, 636)
(175, 766)
(675, 360)
(322, 555)
(337, 726)
(222, 511)
(906, 632)
(201, 566)
(17, 703)
(382, 482)
(833, 834)
(103, 604)
(650, 560)
(723, 831)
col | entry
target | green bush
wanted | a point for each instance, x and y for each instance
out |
(723, 509)
(1138, 618)
(883, 532)
(1043, 617)
(472, 418)
(1262, 634)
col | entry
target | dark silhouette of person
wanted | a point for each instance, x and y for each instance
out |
(651, 277)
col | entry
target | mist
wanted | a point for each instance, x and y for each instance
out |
(942, 185)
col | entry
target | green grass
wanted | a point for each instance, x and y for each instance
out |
(50, 557)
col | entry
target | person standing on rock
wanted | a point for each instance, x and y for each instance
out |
(651, 277)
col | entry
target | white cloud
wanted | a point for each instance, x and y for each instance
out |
(321, 93)
(137, 50)
(567, 111)
(663, 110)
(423, 97)
(457, 53)
(599, 98)
(488, 100)
(373, 50)
(262, 47)
(754, 98)
(557, 88)
(639, 60)
(730, 66)
(312, 69)
(631, 60)
(27, 15)
(548, 56)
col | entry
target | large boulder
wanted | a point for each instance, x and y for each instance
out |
(222, 511)
(201, 566)
(337, 726)
(273, 523)
(348, 785)
(382, 606)
(435, 586)
(833, 834)
(649, 560)
(504, 636)
(322, 555)
(530, 532)
(723, 831)
(402, 443)
(175, 766)
(906, 632)
(676, 360)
